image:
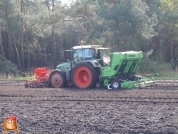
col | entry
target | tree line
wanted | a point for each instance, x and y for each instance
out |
(35, 33)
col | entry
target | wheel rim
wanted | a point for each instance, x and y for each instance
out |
(115, 84)
(83, 77)
(56, 80)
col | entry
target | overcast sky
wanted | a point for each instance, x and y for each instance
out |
(66, 1)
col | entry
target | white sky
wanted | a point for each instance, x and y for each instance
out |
(68, 2)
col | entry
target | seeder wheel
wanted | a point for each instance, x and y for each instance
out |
(115, 84)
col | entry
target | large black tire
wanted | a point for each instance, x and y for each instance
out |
(84, 76)
(57, 79)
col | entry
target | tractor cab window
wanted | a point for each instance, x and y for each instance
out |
(78, 55)
(88, 54)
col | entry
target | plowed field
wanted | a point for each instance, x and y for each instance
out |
(92, 111)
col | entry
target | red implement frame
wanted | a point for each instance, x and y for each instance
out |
(42, 78)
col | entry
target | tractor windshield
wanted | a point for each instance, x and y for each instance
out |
(78, 55)
(88, 54)
(83, 54)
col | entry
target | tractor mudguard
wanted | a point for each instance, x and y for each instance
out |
(94, 63)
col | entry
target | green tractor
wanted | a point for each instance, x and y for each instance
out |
(87, 68)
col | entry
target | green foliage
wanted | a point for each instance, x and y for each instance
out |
(123, 23)
(6, 66)
(44, 28)
(148, 66)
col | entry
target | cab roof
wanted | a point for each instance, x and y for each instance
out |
(89, 46)
(86, 46)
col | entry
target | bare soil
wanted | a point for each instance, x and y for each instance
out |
(93, 111)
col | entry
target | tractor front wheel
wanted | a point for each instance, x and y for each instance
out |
(56, 79)
(84, 75)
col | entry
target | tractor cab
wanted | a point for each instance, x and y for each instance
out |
(87, 53)
(83, 53)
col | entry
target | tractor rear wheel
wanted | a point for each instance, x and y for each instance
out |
(84, 76)
(56, 79)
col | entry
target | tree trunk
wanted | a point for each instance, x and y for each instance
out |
(174, 57)
(53, 39)
(54, 47)
(34, 54)
(22, 35)
(45, 58)
(11, 49)
(18, 58)
(2, 49)
(7, 30)
(28, 55)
